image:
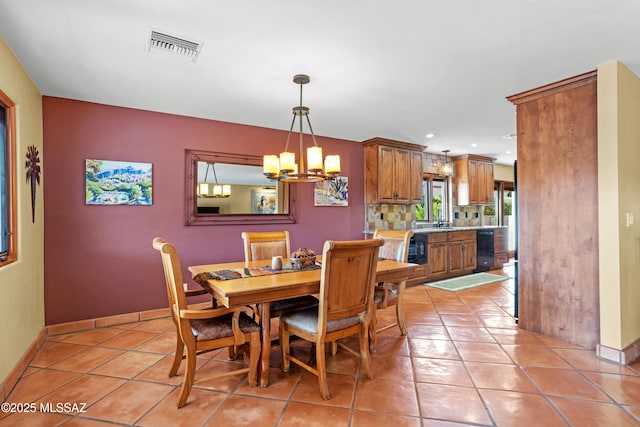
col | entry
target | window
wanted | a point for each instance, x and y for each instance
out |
(435, 205)
(8, 252)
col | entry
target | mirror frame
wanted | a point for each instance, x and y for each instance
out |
(192, 217)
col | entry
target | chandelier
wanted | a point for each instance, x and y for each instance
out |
(219, 190)
(284, 167)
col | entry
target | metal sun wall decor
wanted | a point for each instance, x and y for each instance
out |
(118, 183)
(33, 176)
(332, 192)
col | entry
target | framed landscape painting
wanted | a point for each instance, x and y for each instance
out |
(332, 192)
(110, 182)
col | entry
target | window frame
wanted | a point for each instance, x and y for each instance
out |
(11, 255)
(427, 197)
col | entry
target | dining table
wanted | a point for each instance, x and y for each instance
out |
(262, 289)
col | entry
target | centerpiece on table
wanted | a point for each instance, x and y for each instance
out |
(303, 258)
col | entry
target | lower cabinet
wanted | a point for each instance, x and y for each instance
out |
(451, 253)
(437, 260)
(500, 247)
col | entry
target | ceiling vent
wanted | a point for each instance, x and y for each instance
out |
(175, 45)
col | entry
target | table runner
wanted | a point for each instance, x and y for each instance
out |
(238, 273)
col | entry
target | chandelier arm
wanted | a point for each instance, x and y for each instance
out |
(206, 172)
(293, 122)
(313, 136)
(214, 173)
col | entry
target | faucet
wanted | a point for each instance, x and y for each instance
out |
(440, 223)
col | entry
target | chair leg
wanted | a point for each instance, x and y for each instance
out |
(189, 375)
(254, 358)
(373, 336)
(334, 347)
(284, 347)
(177, 359)
(402, 324)
(364, 350)
(231, 352)
(322, 371)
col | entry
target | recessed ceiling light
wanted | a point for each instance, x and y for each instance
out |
(430, 135)
(474, 145)
(508, 152)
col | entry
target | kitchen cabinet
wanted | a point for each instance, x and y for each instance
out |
(500, 247)
(473, 180)
(451, 253)
(393, 172)
(437, 254)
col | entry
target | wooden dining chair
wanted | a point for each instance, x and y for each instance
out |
(199, 331)
(263, 245)
(396, 247)
(345, 308)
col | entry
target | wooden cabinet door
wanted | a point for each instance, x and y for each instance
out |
(474, 188)
(485, 182)
(456, 260)
(437, 253)
(402, 175)
(481, 182)
(500, 247)
(415, 182)
(488, 183)
(386, 184)
(469, 255)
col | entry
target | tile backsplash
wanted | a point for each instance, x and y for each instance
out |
(402, 217)
(467, 216)
(390, 217)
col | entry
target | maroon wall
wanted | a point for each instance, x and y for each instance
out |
(99, 260)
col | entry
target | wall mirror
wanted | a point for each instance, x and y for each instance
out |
(230, 189)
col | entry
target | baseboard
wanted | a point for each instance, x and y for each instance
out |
(103, 322)
(14, 376)
(78, 326)
(623, 357)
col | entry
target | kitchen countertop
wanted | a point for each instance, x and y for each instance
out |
(423, 230)
(440, 229)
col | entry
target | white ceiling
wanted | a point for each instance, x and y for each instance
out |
(395, 69)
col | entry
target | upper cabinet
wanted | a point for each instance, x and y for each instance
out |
(392, 171)
(474, 180)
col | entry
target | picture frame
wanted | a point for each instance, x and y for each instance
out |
(332, 192)
(264, 202)
(109, 182)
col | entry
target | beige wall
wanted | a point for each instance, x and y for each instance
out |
(22, 282)
(503, 173)
(618, 187)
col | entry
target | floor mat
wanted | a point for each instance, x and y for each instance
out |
(467, 282)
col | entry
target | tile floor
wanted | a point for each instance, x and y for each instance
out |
(464, 362)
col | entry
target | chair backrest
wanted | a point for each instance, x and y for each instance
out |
(173, 278)
(396, 244)
(261, 245)
(347, 280)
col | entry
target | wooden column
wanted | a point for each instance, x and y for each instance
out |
(558, 210)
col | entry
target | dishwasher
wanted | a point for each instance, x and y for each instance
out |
(485, 249)
(418, 249)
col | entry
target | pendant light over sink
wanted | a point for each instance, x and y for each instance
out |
(284, 167)
(447, 167)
